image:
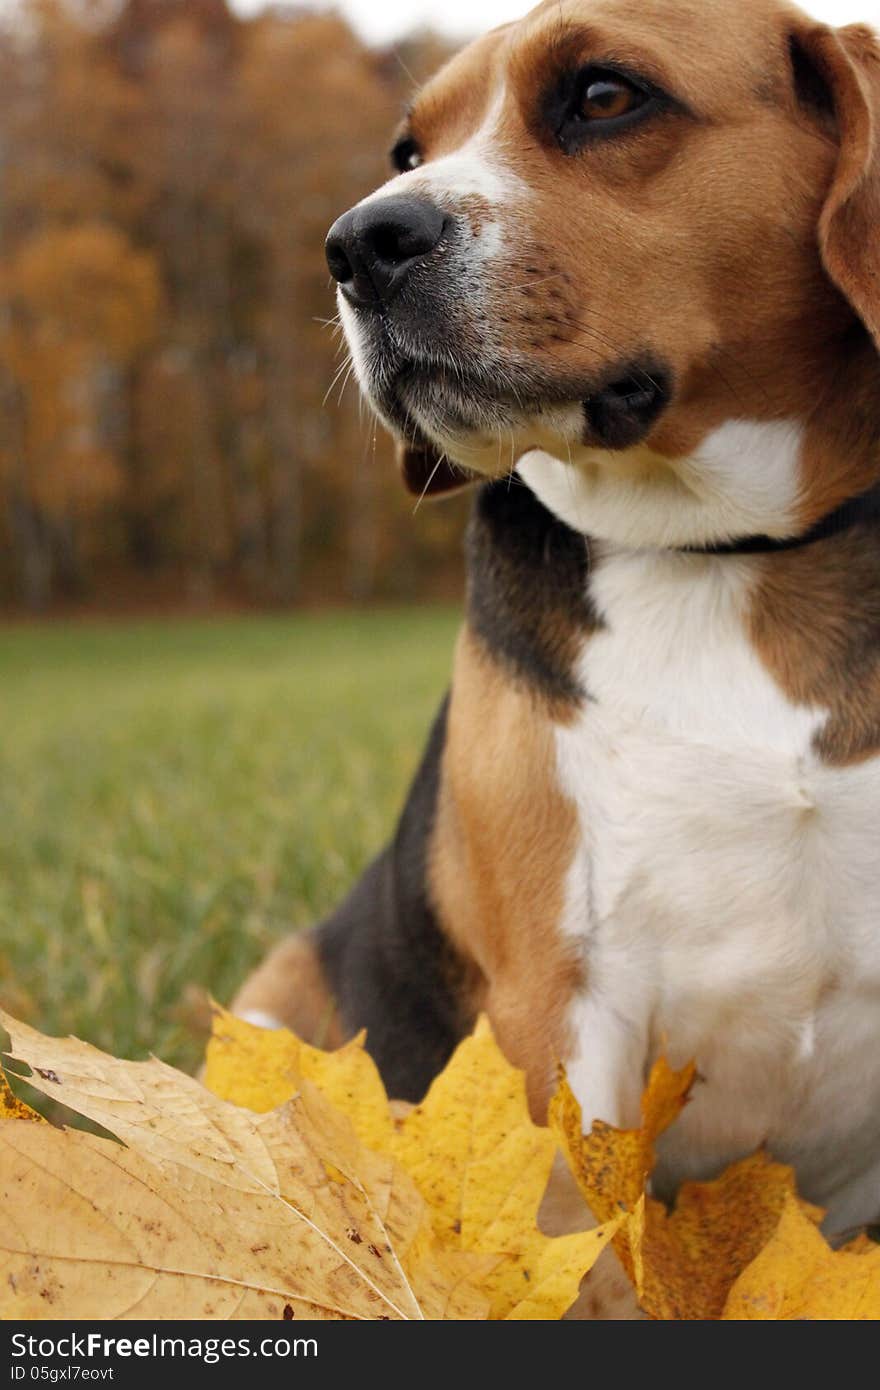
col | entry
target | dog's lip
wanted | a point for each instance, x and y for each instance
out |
(398, 415)
(527, 401)
(402, 414)
(466, 384)
(533, 390)
(410, 375)
(399, 419)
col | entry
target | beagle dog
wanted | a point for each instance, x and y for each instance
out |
(627, 276)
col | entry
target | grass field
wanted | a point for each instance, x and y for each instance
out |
(174, 797)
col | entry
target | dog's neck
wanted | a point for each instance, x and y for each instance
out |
(748, 485)
(841, 452)
(861, 510)
(532, 554)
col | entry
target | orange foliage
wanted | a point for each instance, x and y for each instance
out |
(169, 172)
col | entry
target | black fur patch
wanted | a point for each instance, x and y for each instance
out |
(390, 968)
(387, 962)
(527, 588)
(624, 411)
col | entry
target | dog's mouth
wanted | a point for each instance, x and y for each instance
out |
(435, 398)
(464, 411)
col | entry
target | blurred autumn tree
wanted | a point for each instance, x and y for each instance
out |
(167, 175)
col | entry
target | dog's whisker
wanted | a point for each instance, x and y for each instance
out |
(544, 279)
(432, 475)
(345, 381)
(348, 363)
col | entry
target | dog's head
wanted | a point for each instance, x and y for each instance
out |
(625, 246)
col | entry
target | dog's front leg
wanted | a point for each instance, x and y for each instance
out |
(605, 1068)
(608, 1059)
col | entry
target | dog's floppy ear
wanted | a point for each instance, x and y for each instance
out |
(846, 63)
(428, 473)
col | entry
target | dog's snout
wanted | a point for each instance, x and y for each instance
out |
(371, 249)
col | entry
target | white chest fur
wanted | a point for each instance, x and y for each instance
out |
(726, 888)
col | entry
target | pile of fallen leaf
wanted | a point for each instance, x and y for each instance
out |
(289, 1186)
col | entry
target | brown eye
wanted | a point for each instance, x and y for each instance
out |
(599, 103)
(606, 98)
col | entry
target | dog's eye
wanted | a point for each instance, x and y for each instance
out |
(596, 103)
(606, 97)
(406, 155)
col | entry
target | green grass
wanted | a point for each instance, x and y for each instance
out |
(174, 797)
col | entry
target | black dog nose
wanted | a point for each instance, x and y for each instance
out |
(371, 248)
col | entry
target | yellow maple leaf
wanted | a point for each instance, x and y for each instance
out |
(611, 1165)
(691, 1256)
(797, 1275)
(11, 1107)
(210, 1210)
(261, 1068)
(483, 1168)
(479, 1167)
(336, 1203)
(683, 1262)
(480, 1163)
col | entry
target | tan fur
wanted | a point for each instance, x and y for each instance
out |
(503, 839)
(808, 621)
(448, 110)
(289, 986)
(840, 453)
(812, 617)
(850, 62)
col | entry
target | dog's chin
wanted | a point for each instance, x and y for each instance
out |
(478, 432)
(487, 430)
(466, 433)
(481, 449)
(462, 413)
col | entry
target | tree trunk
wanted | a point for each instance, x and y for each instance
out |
(33, 554)
(67, 567)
